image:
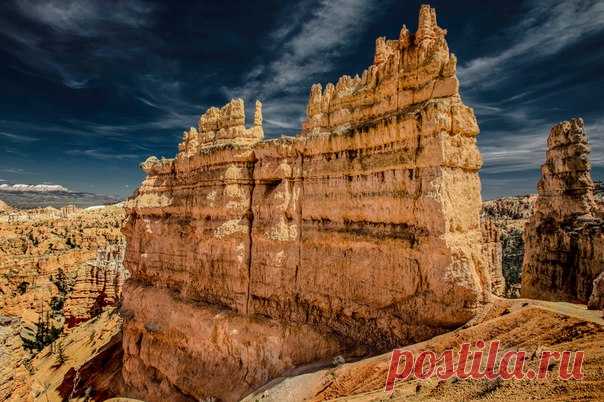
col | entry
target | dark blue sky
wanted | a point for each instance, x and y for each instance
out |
(91, 88)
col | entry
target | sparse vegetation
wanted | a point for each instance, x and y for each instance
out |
(46, 333)
(61, 282)
(56, 304)
(59, 351)
(513, 252)
(22, 288)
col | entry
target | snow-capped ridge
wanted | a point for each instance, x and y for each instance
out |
(39, 188)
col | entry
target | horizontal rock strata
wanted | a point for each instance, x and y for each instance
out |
(251, 257)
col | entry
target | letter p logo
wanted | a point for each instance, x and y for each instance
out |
(393, 372)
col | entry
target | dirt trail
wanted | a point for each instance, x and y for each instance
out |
(521, 324)
(579, 311)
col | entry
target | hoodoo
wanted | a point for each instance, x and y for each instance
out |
(250, 257)
(564, 238)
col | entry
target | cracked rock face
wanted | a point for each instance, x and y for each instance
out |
(564, 238)
(362, 233)
(493, 254)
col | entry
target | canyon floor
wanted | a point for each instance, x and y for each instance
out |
(60, 280)
(84, 360)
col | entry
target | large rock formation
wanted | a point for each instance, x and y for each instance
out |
(251, 257)
(564, 239)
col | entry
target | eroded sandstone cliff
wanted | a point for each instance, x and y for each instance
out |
(564, 238)
(50, 282)
(251, 257)
(95, 285)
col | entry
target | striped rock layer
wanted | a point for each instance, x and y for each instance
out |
(250, 257)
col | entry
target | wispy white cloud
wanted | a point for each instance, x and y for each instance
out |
(102, 154)
(15, 171)
(505, 153)
(516, 125)
(64, 20)
(15, 152)
(525, 149)
(17, 137)
(130, 132)
(595, 133)
(86, 17)
(547, 27)
(307, 45)
(284, 115)
(165, 93)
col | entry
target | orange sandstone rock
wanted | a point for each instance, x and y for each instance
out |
(95, 285)
(251, 257)
(564, 238)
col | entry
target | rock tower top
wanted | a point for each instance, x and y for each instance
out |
(566, 188)
(412, 69)
(225, 125)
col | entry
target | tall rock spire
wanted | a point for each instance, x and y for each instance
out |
(564, 237)
(426, 27)
(404, 37)
(258, 114)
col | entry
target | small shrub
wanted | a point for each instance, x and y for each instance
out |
(22, 288)
(59, 350)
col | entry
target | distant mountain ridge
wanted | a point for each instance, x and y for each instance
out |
(39, 188)
(26, 196)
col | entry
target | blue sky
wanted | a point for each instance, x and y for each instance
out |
(91, 88)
